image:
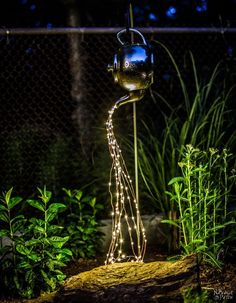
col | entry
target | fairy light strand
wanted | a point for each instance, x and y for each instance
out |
(125, 209)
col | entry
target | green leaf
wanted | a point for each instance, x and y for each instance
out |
(2, 207)
(176, 179)
(51, 216)
(4, 233)
(81, 252)
(30, 278)
(22, 249)
(78, 194)
(17, 282)
(213, 260)
(171, 222)
(58, 262)
(52, 228)
(32, 242)
(80, 228)
(45, 195)
(49, 255)
(7, 196)
(17, 223)
(89, 230)
(196, 241)
(58, 242)
(49, 281)
(18, 226)
(53, 209)
(36, 204)
(19, 217)
(4, 217)
(39, 229)
(27, 292)
(99, 206)
(50, 264)
(85, 237)
(24, 264)
(92, 202)
(45, 241)
(201, 248)
(68, 192)
(36, 221)
(14, 201)
(34, 257)
(66, 251)
(61, 277)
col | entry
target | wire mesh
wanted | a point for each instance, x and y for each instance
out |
(55, 92)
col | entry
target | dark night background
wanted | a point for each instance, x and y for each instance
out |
(54, 13)
(39, 84)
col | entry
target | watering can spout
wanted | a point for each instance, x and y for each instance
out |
(133, 96)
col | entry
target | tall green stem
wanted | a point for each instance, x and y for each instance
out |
(225, 183)
(200, 198)
(189, 195)
(181, 216)
(214, 221)
(205, 215)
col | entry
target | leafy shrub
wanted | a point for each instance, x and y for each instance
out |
(36, 249)
(192, 296)
(33, 259)
(81, 223)
(201, 195)
(11, 231)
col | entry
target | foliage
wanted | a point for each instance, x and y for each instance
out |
(37, 252)
(43, 253)
(192, 296)
(81, 223)
(201, 195)
(12, 227)
(34, 250)
(201, 119)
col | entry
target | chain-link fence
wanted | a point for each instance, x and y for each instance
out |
(55, 92)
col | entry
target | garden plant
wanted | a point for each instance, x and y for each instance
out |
(34, 250)
(202, 119)
(202, 196)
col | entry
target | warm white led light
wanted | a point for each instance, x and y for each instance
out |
(125, 214)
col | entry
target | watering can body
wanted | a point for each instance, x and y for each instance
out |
(133, 66)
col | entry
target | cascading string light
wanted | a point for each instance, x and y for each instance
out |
(125, 209)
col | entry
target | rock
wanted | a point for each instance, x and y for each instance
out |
(130, 282)
(155, 232)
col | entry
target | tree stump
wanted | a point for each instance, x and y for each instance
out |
(130, 282)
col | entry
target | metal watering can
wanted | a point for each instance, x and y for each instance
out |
(132, 67)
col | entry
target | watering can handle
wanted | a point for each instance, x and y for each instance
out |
(131, 30)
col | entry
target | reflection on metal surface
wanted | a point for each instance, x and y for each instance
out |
(132, 67)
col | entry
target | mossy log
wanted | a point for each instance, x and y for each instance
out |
(160, 282)
(130, 282)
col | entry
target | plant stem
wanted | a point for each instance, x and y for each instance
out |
(205, 215)
(189, 195)
(199, 198)
(225, 183)
(214, 221)
(181, 216)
